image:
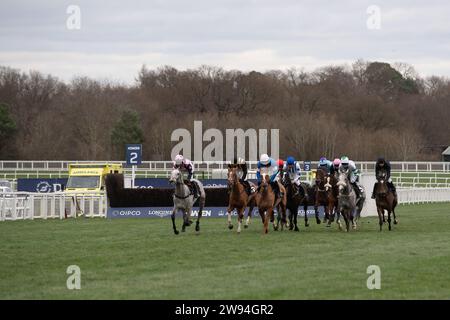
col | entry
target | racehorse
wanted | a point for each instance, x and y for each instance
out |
(326, 194)
(346, 201)
(265, 199)
(385, 199)
(295, 196)
(183, 199)
(239, 199)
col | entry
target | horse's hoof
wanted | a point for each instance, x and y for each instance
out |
(230, 226)
(318, 221)
(245, 226)
(395, 221)
(296, 229)
(197, 228)
(306, 224)
(176, 231)
(328, 226)
(291, 227)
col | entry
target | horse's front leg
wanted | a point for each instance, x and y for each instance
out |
(290, 218)
(200, 212)
(267, 219)
(389, 219)
(275, 225)
(183, 228)
(229, 210)
(338, 219)
(174, 211)
(240, 218)
(305, 209)
(380, 217)
(249, 215)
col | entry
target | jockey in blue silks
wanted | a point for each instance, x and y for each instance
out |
(326, 165)
(292, 168)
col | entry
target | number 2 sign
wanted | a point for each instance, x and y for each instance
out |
(134, 154)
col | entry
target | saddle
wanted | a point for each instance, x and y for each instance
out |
(193, 187)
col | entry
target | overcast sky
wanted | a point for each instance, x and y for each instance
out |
(117, 37)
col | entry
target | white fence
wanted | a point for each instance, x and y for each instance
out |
(423, 195)
(401, 166)
(26, 205)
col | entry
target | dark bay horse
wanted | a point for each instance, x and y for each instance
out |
(326, 194)
(295, 196)
(385, 199)
(239, 199)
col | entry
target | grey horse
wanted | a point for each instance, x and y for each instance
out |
(346, 201)
(184, 200)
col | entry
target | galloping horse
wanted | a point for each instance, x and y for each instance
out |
(385, 199)
(239, 199)
(295, 196)
(183, 199)
(326, 194)
(265, 199)
(346, 201)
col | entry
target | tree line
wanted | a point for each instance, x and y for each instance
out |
(364, 110)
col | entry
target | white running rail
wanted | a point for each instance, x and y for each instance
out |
(27, 205)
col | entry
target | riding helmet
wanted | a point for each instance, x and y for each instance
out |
(264, 159)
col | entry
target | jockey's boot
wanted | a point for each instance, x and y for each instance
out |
(247, 187)
(357, 191)
(373, 192)
(392, 188)
(195, 189)
(297, 191)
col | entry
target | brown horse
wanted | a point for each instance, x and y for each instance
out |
(239, 199)
(265, 200)
(385, 199)
(326, 193)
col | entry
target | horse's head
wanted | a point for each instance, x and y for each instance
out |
(265, 181)
(232, 174)
(382, 176)
(381, 186)
(343, 183)
(175, 176)
(320, 178)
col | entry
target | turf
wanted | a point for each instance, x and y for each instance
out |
(143, 259)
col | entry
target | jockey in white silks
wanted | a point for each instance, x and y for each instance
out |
(349, 166)
(185, 165)
(268, 166)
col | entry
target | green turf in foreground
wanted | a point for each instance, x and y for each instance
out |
(143, 259)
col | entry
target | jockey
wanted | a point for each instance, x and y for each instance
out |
(336, 164)
(185, 165)
(349, 166)
(280, 163)
(242, 173)
(384, 164)
(326, 165)
(292, 168)
(268, 166)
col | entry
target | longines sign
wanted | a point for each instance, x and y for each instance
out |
(165, 212)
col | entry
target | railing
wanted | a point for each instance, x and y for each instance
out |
(423, 195)
(54, 166)
(26, 205)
